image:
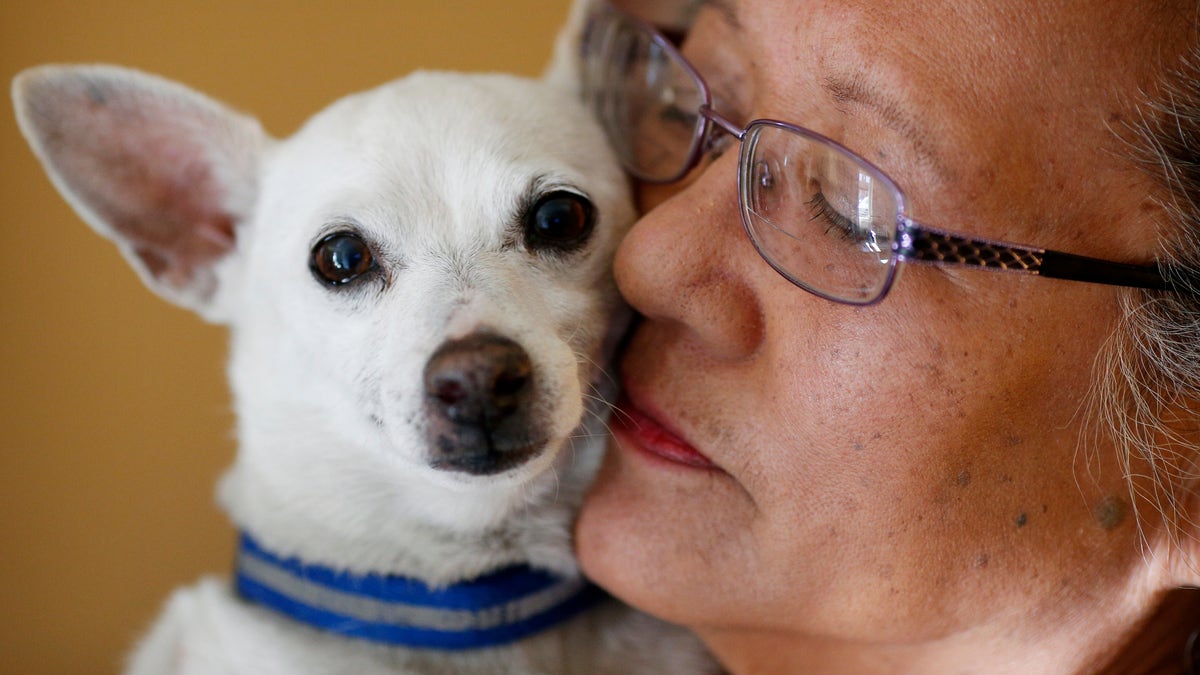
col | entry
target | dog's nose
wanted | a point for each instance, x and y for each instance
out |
(478, 380)
(476, 389)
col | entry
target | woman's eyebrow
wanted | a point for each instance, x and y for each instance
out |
(854, 91)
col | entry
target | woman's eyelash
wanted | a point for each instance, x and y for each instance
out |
(677, 115)
(824, 210)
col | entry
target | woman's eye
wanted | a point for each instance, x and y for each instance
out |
(560, 221)
(341, 258)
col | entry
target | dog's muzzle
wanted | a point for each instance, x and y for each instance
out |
(478, 391)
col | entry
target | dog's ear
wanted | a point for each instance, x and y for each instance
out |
(166, 173)
(565, 65)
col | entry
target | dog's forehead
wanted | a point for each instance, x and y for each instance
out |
(443, 147)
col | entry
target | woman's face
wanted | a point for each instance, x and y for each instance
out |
(918, 469)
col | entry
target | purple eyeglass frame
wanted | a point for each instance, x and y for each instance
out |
(913, 241)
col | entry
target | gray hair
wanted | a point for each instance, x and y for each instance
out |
(1146, 396)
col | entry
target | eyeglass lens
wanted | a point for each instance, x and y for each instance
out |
(816, 215)
(644, 97)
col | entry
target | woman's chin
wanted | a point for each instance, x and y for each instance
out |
(643, 529)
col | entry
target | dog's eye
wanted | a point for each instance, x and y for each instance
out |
(560, 220)
(341, 258)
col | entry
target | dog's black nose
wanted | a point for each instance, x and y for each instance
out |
(478, 380)
(474, 391)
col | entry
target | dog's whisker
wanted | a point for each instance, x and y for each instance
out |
(604, 372)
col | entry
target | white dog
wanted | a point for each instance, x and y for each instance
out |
(418, 289)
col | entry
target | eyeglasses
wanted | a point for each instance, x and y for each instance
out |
(826, 219)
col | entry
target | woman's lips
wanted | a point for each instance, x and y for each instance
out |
(637, 428)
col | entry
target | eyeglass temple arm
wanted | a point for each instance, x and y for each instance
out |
(918, 243)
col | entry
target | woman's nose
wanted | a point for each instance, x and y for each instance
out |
(685, 262)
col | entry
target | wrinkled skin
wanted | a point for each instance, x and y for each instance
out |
(902, 487)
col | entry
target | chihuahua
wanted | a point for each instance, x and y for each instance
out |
(421, 307)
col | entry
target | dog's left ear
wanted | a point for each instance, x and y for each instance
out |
(168, 174)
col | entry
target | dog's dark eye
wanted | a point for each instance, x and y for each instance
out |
(341, 258)
(560, 221)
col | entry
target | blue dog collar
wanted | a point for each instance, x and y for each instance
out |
(497, 609)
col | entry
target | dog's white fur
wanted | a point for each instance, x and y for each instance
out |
(333, 463)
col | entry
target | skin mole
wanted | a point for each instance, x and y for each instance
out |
(1110, 512)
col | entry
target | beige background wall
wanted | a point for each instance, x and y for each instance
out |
(114, 422)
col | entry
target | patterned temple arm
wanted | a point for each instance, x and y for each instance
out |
(918, 243)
